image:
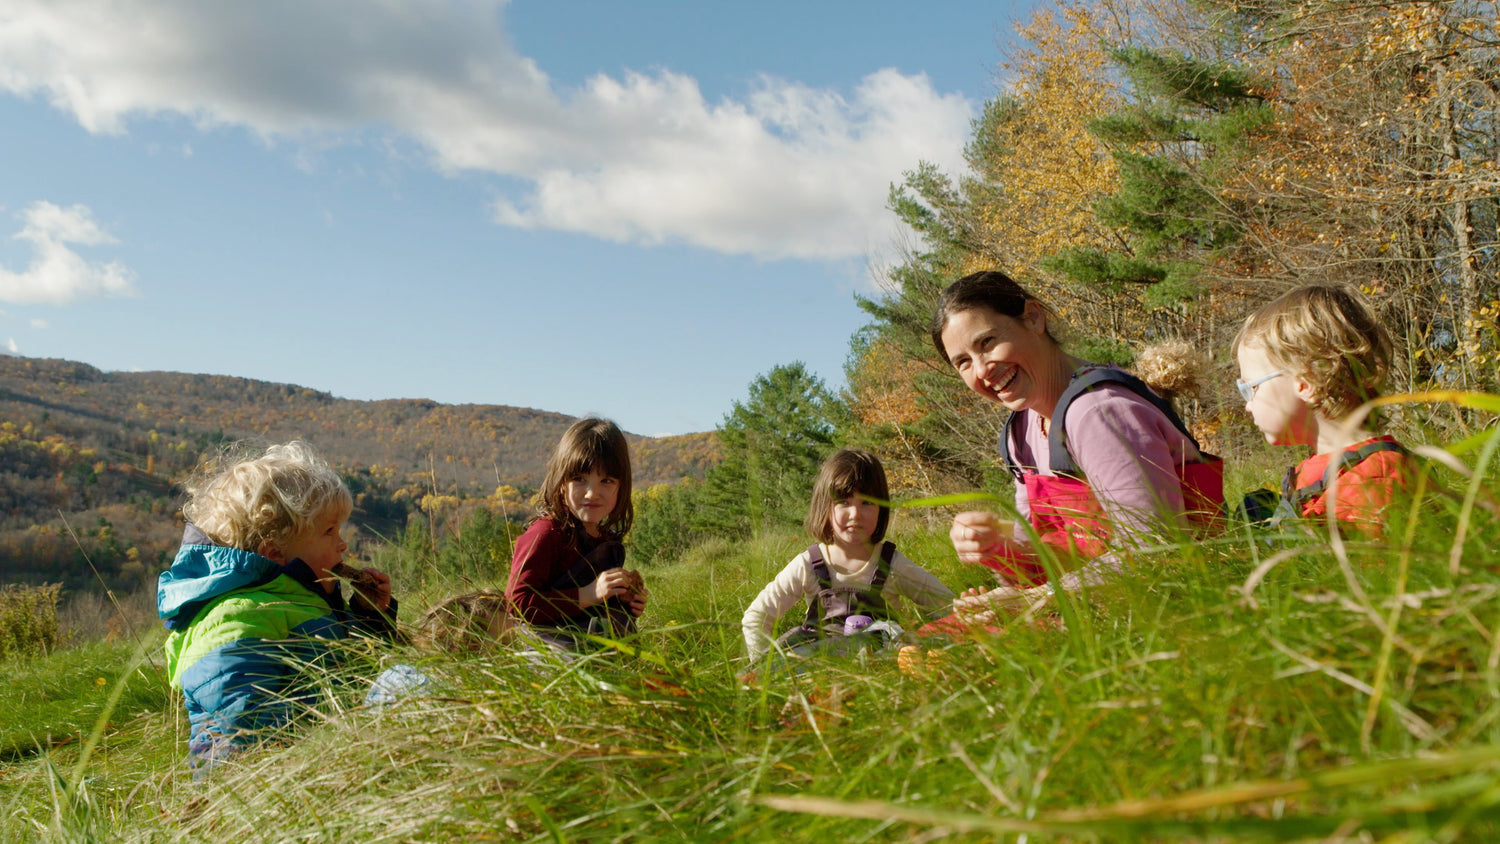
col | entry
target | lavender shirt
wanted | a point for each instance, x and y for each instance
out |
(1129, 452)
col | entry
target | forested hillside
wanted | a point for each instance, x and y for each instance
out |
(99, 452)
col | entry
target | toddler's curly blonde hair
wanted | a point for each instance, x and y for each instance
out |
(1171, 368)
(242, 499)
(1328, 336)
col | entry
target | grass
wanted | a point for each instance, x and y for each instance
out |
(1307, 691)
(57, 700)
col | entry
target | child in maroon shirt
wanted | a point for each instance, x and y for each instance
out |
(567, 575)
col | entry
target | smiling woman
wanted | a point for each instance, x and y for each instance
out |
(1098, 458)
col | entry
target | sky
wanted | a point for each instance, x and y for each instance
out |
(629, 209)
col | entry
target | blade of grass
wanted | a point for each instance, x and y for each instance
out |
(1466, 512)
(951, 500)
(1388, 636)
(1167, 810)
(1413, 722)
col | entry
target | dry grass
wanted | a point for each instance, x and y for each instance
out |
(1304, 687)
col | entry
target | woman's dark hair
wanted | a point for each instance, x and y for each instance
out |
(986, 289)
(850, 471)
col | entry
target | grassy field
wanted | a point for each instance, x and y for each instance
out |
(1242, 691)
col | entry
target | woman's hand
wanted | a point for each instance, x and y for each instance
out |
(979, 535)
(976, 605)
(638, 601)
(968, 602)
(609, 584)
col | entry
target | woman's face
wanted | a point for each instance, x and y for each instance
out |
(1001, 358)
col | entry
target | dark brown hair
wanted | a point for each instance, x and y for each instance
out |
(850, 471)
(590, 444)
(990, 289)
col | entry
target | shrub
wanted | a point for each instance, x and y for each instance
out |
(28, 619)
(664, 527)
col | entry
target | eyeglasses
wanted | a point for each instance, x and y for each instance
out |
(1247, 388)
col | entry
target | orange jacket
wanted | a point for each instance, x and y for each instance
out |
(1369, 475)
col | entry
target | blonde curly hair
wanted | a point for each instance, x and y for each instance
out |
(1172, 368)
(242, 499)
(1328, 336)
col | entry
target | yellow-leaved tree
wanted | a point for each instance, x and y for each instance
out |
(1034, 173)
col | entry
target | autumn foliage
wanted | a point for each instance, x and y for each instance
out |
(1154, 169)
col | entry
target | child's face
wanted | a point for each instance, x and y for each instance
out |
(321, 546)
(853, 520)
(590, 497)
(1276, 403)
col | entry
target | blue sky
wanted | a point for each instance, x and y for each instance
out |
(622, 208)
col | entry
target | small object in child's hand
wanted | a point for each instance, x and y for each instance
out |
(363, 580)
(634, 584)
(855, 623)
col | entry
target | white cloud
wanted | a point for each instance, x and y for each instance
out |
(57, 274)
(790, 171)
(39, 324)
(14, 349)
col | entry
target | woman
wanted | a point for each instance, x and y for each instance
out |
(1097, 456)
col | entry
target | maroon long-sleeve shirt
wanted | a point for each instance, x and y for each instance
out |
(548, 569)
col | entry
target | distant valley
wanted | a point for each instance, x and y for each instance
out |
(101, 451)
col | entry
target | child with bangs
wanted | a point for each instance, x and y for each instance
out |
(567, 577)
(253, 599)
(1307, 361)
(849, 577)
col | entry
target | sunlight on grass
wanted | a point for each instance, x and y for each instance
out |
(1320, 688)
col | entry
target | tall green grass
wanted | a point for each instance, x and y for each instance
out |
(1238, 689)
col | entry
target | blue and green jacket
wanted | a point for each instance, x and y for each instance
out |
(246, 635)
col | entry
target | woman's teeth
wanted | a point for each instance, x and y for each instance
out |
(1001, 384)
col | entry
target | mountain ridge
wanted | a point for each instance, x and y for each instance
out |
(81, 445)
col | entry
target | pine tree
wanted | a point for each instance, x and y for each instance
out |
(773, 444)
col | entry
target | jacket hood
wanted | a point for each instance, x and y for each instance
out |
(201, 572)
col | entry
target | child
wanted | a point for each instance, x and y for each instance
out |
(473, 622)
(842, 577)
(566, 576)
(1307, 361)
(252, 597)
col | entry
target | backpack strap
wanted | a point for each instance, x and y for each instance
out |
(1294, 496)
(1084, 380)
(1008, 462)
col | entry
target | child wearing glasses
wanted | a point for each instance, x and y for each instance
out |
(1307, 361)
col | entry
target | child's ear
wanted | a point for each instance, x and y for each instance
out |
(1305, 390)
(270, 551)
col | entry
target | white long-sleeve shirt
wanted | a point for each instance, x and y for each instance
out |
(796, 583)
